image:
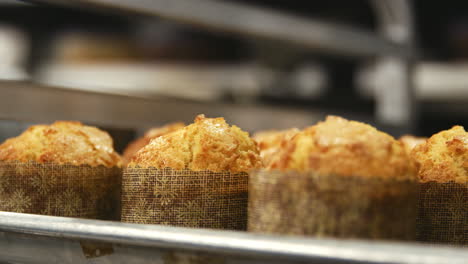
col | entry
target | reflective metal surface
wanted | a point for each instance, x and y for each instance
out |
(64, 239)
(25, 101)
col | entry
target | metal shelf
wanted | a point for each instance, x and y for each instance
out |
(392, 43)
(25, 101)
(256, 22)
(50, 239)
(12, 3)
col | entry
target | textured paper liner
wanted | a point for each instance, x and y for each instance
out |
(185, 198)
(332, 206)
(443, 213)
(60, 190)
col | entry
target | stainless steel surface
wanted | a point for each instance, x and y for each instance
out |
(25, 101)
(13, 3)
(235, 245)
(256, 22)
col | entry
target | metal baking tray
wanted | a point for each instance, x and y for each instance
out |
(26, 238)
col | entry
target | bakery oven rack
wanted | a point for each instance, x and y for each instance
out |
(392, 44)
(255, 22)
(26, 238)
(45, 103)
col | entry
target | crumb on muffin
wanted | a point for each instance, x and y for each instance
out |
(63, 142)
(444, 157)
(410, 142)
(134, 146)
(207, 144)
(270, 143)
(347, 148)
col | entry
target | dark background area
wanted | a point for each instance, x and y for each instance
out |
(441, 35)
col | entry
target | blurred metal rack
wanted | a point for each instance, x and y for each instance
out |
(12, 2)
(49, 239)
(26, 101)
(257, 22)
(393, 44)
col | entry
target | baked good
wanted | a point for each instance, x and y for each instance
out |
(442, 163)
(443, 157)
(63, 169)
(270, 143)
(346, 148)
(63, 142)
(410, 142)
(155, 132)
(193, 177)
(338, 178)
(207, 144)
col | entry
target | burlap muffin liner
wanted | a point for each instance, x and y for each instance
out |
(308, 204)
(443, 213)
(60, 190)
(186, 198)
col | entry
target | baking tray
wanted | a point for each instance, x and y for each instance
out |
(26, 238)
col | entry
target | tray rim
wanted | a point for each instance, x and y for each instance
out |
(230, 242)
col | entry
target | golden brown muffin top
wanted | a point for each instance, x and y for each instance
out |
(347, 148)
(410, 142)
(207, 144)
(270, 143)
(444, 156)
(63, 142)
(159, 131)
(134, 146)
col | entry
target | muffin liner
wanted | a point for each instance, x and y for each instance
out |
(443, 213)
(60, 189)
(186, 198)
(308, 204)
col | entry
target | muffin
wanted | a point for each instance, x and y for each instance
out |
(63, 169)
(410, 142)
(337, 178)
(270, 143)
(63, 142)
(346, 148)
(155, 132)
(444, 157)
(442, 163)
(194, 177)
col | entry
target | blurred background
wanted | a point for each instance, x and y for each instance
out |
(126, 66)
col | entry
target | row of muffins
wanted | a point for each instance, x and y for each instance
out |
(335, 146)
(344, 147)
(358, 148)
(353, 145)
